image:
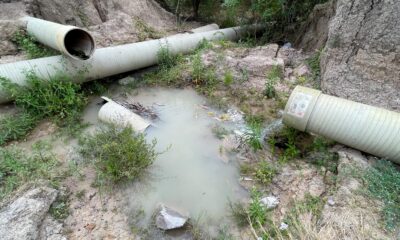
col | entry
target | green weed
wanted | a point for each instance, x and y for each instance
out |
(253, 135)
(17, 167)
(145, 31)
(60, 208)
(228, 78)
(313, 63)
(16, 126)
(58, 97)
(219, 131)
(166, 59)
(383, 183)
(118, 154)
(264, 172)
(31, 46)
(256, 211)
(273, 76)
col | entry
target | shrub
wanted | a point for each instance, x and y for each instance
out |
(57, 97)
(118, 154)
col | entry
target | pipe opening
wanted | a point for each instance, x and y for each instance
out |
(79, 44)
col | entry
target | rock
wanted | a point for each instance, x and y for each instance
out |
(51, 230)
(168, 219)
(361, 60)
(302, 70)
(291, 56)
(330, 201)
(126, 81)
(283, 226)
(270, 202)
(314, 32)
(23, 218)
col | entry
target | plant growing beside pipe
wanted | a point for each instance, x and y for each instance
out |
(58, 98)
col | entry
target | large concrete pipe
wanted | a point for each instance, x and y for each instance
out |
(71, 41)
(367, 128)
(113, 60)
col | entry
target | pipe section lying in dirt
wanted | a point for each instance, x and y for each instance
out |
(367, 128)
(110, 61)
(71, 41)
(112, 112)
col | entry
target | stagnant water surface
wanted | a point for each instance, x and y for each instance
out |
(190, 176)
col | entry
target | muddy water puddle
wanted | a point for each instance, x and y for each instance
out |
(189, 175)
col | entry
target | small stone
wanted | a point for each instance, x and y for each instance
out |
(331, 202)
(168, 219)
(301, 71)
(283, 226)
(270, 202)
(90, 226)
(91, 195)
(126, 81)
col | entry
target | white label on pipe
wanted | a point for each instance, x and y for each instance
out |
(299, 105)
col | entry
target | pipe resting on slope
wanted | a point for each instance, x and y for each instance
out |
(71, 41)
(367, 128)
(110, 61)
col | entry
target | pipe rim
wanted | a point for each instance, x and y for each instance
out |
(87, 41)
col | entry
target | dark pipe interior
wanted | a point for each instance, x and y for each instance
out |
(79, 43)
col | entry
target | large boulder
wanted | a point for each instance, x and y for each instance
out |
(361, 60)
(313, 34)
(23, 218)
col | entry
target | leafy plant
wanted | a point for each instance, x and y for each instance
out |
(31, 46)
(118, 154)
(60, 208)
(264, 172)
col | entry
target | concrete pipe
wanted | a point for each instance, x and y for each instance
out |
(71, 41)
(113, 60)
(112, 112)
(367, 128)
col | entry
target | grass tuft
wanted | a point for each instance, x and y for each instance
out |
(273, 76)
(17, 167)
(118, 154)
(383, 182)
